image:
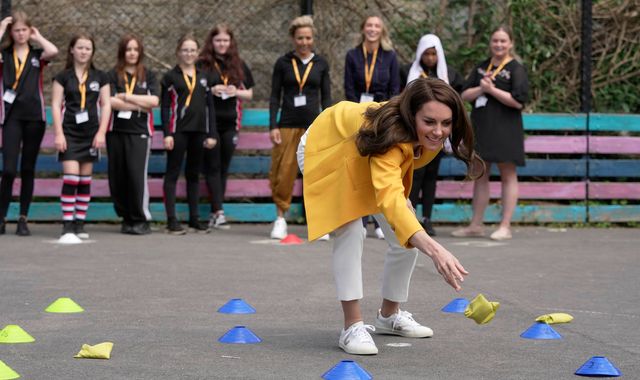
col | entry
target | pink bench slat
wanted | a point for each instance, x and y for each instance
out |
(527, 190)
(612, 190)
(555, 144)
(236, 188)
(614, 144)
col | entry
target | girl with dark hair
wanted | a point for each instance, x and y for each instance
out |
(233, 83)
(498, 88)
(22, 113)
(81, 110)
(371, 73)
(358, 159)
(189, 126)
(134, 92)
(429, 62)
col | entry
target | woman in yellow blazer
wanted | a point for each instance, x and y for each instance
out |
(358, 159)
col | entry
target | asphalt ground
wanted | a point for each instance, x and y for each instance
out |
(156, 298)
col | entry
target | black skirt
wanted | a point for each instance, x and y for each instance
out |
(79, 149)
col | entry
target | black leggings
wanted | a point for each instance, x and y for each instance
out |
(216, 166)
(425, 179)
(192, 144)
(15, 133)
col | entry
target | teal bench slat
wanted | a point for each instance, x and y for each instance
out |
(614, 213)
(554, 122)
(614, 168)
(614, 122)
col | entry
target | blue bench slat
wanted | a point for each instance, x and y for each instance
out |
(614, 168)
(614, 213)
(554, 122)
(452, 167)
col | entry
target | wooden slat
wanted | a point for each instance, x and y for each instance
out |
(554, 122)
(614, 213)
(535, 167)
(555, 144)
(614, 190)
(527, 190)
(614, 144)
(614, 122)
(614, 168)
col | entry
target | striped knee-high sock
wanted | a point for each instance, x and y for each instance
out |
(68, 195)
(83, 197)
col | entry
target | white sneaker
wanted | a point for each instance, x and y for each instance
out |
(279, 230)
(379, 233)
(356, 340)
(403, 324)
(364, 232)
(324, 237)
(218, 221)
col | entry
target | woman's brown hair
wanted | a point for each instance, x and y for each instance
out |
(231, 64)
(184, 38)
(394, 122)
(72, 43)
(122, 62)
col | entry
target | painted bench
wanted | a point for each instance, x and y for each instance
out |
(564, 165)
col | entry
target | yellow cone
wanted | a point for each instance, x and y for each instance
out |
(99, 351)
(554, 318)
(64, 305)
(7, 373)
(481, 310)
(15, 334)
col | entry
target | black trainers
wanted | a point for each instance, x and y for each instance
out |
(174, 227)
(22, 229)
(141, 228)
(68, 227)
(198, 227)
(78, 227)
(126, 227)
(3, 226)
(426, 224)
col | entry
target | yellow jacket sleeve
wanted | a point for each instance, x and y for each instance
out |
(386, 175)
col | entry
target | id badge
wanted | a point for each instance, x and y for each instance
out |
(93, 152)
(366, 97)
(9, 96)
(82, 117)
(300, 101)
(481, 101)
(124, 115)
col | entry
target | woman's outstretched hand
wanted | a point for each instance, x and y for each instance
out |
(445, 262)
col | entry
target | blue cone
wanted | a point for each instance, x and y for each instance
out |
(540, 330)
(458, 305)
(240, 335)
(347, 370)
(236, 306)
(598, 366)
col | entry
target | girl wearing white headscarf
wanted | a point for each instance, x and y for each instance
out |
(429, 62)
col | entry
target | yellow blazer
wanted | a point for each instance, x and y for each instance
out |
(340, 185)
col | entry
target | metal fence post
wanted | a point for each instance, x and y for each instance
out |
(585, 85)
(306, 7)
(6, 8)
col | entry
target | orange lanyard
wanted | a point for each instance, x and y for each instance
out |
(301, 82)
(495, 73)
(191, 85)
(82, 87)
(128, 88)
(225, 79)
(19, 66)
(423, 74)
(368, 70)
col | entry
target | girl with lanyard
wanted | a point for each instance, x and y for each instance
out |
(430, 62)
(188, 122)
(498, 88)
(371, 73)
(134, 92)
(233, 84)
(359, 159)
(22, 113)
(81, 110)
(300, 88)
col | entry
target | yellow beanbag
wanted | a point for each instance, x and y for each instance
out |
(552, 318)
(481, 310)
(99, 351)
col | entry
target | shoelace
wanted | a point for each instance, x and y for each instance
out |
(361, 333)
(404, 318)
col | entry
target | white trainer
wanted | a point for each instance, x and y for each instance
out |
(379, 233)
(403, 324)
(324, 237)
(219, 222)
(364, 232)
(279, 230)
(356, 340)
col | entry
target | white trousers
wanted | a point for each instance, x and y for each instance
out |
(347, 262)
